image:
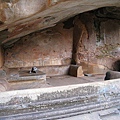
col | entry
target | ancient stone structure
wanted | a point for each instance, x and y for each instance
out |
(47, 48)
(85, 39)
(59, 37)
(93, 45)
(62, 102)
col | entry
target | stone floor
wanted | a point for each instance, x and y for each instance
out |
(55, 81)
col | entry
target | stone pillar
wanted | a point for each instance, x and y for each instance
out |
(80, 34)
(1, 56)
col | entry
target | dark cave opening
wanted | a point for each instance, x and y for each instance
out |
(116, 65)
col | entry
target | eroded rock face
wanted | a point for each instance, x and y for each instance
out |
(50, 47)
(19, 9)
(96, 40)
(85, 38)
(22, 17)
(116, 65)
(109, 12)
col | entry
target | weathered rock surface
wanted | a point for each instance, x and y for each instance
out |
(76, 71)
(96, 41)
(21, 17)
(112, 75)
(50, 47)
(60, 102)
(4, 85)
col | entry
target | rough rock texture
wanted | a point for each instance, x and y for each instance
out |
(91, 38)
(22, 17)
(116, 65)
(49, 47)
(1, 57)
(96, 40)
(76, 71)
(86, 39)
(59, 102)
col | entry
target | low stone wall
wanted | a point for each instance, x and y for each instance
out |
(58, 102)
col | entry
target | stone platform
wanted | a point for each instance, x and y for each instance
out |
(24, 75)
(63, 102)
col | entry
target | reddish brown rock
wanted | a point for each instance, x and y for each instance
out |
(47, 48)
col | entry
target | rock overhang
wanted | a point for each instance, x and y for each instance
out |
(22, 17)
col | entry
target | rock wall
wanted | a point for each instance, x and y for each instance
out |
(1, 57)
(98, 40)
(50, 47)
(92, 40)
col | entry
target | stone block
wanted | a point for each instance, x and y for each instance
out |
(76, 71)
(112, 75)
(24, 75)
(93, 68)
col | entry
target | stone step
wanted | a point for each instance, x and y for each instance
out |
(109, 114)
(57, 102)
(60, 112)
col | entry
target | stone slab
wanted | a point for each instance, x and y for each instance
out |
(58, 102)
(113, 114)
(27, 73)
(76, 71)
(26, 76)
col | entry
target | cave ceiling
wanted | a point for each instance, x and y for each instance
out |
(22, 17)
